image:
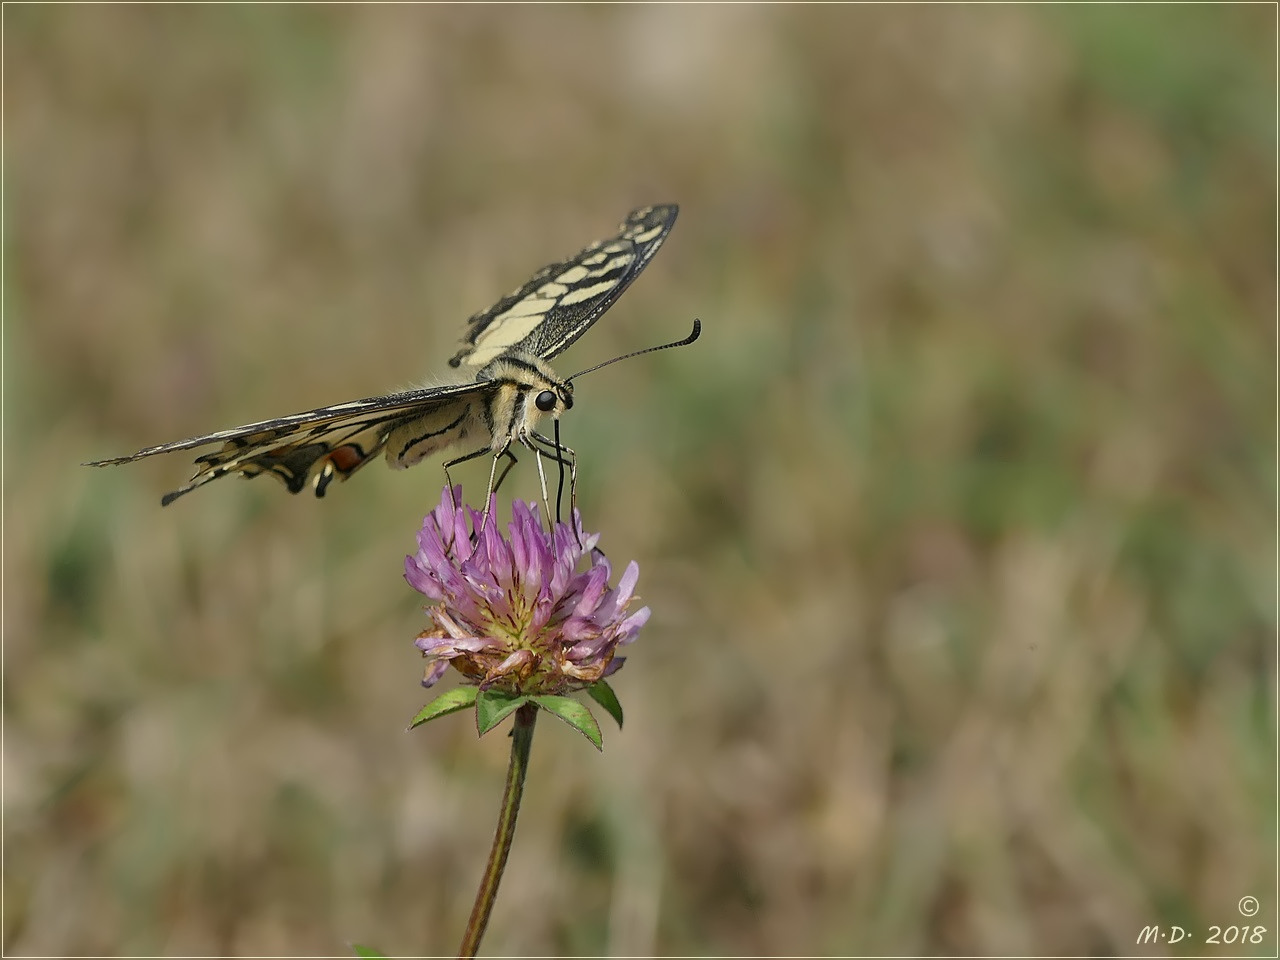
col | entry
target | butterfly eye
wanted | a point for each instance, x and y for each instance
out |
(545, 401)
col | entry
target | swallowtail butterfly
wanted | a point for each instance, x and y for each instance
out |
(504, 384)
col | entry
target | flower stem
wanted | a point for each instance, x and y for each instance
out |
(521, 741)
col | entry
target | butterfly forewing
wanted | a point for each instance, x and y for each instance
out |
(562, 300)
(502, 356)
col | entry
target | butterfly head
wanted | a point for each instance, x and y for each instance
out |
(553, 401)
(554, 398)
(529, 389)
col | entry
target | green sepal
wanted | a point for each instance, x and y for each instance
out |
(603, 694)
(368, 952)
(459, 698)
(494, 706)
(573, 713)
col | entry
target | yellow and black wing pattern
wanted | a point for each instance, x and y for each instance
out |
(540, 319)
(557, 305)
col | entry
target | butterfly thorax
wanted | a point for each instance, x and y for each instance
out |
(522, 387)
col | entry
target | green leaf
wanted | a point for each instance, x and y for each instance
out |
(574, 714)
(603, 694)
(456, 699)
(367, 952)
(493, 706)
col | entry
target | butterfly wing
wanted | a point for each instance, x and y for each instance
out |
(564, 299)
(541, 318)
(316, 446)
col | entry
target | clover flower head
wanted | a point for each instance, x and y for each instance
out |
(515, 613)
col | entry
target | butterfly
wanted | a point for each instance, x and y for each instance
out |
(503, 385)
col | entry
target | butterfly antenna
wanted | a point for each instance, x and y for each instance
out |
(693, 335)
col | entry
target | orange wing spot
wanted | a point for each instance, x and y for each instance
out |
(346, 458)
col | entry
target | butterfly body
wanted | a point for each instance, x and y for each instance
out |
(507, 412)
(505, 384)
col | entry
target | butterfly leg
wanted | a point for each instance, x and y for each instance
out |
(512, 461)
(562, 455)
(463, 459)
(495, 484)
(542, 482)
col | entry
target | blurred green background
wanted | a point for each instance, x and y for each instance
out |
(958, 525)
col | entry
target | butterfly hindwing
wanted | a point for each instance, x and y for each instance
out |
(562, 300)
(315, 446)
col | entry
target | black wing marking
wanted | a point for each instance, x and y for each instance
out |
(321, 443)
(562, 300)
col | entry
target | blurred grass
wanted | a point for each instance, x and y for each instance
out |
(958, 525)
